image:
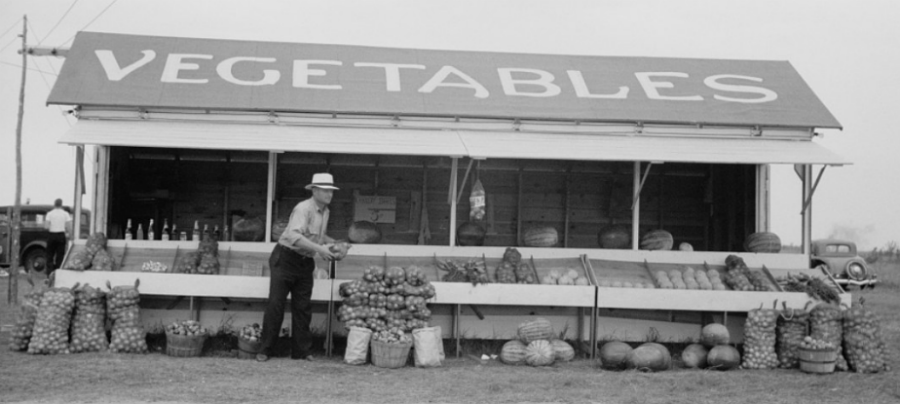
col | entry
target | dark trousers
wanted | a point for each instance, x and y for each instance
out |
(290, 273)
(56, 250)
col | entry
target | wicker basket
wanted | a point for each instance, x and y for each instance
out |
(185, 346)
(391, 356)
(817, 361)
(248, 349)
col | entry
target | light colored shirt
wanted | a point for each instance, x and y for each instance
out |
(308, 220)
(56, 220)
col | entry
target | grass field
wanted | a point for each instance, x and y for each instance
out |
(121, 378)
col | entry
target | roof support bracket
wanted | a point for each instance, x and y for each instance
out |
(637, 193)
(813, 190)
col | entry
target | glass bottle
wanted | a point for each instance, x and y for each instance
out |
(165, 230)
(128, 235)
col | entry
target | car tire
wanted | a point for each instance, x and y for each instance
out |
(36, 260)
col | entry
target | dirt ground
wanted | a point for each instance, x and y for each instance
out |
(157, 378)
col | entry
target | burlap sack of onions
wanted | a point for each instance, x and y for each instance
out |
(759, 339)
(793, 326)
(51, 328)
(863, 343)
(89, 322)
(128, 334)
(25, 319)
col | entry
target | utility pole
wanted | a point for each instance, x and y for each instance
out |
(13, 295)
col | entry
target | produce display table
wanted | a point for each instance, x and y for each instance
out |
(244, 275)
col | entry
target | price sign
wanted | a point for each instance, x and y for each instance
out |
(376, 209)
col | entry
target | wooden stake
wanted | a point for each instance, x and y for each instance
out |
(13, 295)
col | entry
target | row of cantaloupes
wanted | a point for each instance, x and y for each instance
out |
(689, 278)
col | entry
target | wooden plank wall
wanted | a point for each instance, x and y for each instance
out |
(708, 206)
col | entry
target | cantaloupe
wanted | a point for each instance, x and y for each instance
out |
(714, 334)
(613, 354)
(694, 356)
(723, 357)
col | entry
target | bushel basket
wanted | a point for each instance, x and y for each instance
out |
(184, 346)
(248, 349)
(817, 361)
(390, 355)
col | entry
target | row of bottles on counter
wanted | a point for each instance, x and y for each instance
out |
(173, 234)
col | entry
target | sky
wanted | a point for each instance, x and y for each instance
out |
(846, 51)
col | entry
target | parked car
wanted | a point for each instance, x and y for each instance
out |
(32, 235)
(840, 259)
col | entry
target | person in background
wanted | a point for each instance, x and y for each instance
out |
(58, 222)
(292, 264)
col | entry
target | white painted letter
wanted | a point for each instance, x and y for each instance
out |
(544, 79)
(225, 71)
(438, 81)
(650, 86)
(767, 95)
(174, 65)
(113, 71)
(581, 89)
(302, 73)
(391, 73)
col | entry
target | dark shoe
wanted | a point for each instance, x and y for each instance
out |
(262, 357)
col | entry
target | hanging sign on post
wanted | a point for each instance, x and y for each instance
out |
(375, 209)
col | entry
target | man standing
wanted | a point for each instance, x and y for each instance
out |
(57, 223)
(292, 266)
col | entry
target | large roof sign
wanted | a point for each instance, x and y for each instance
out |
(162, 72)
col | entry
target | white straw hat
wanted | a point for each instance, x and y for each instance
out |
(322, 180)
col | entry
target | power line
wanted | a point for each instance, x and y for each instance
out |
(58, 22)
(10, 28)
(88, 24)
(30, 68)
(7, 45)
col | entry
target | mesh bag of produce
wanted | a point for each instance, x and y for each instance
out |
(209, 264)
(128, 334)
(89, 322)
(863, 343)
(793, 326)
(188, 263)
(825, 325)
(209, 246)
(95, 243)
(505, 272)
(22, 330)
(79, 260)
(759, 339)
(51, 328)
(103, 261)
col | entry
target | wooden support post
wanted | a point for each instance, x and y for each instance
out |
(453, 184)
(456, 336)
(519, 208)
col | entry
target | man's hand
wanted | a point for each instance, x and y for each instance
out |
(326, 253)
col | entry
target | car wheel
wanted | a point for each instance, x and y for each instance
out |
(36, 260)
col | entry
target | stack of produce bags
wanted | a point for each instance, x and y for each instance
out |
(89, 323)
(128, 334)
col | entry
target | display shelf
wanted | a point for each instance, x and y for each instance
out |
(620, 274)
(543, 267)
